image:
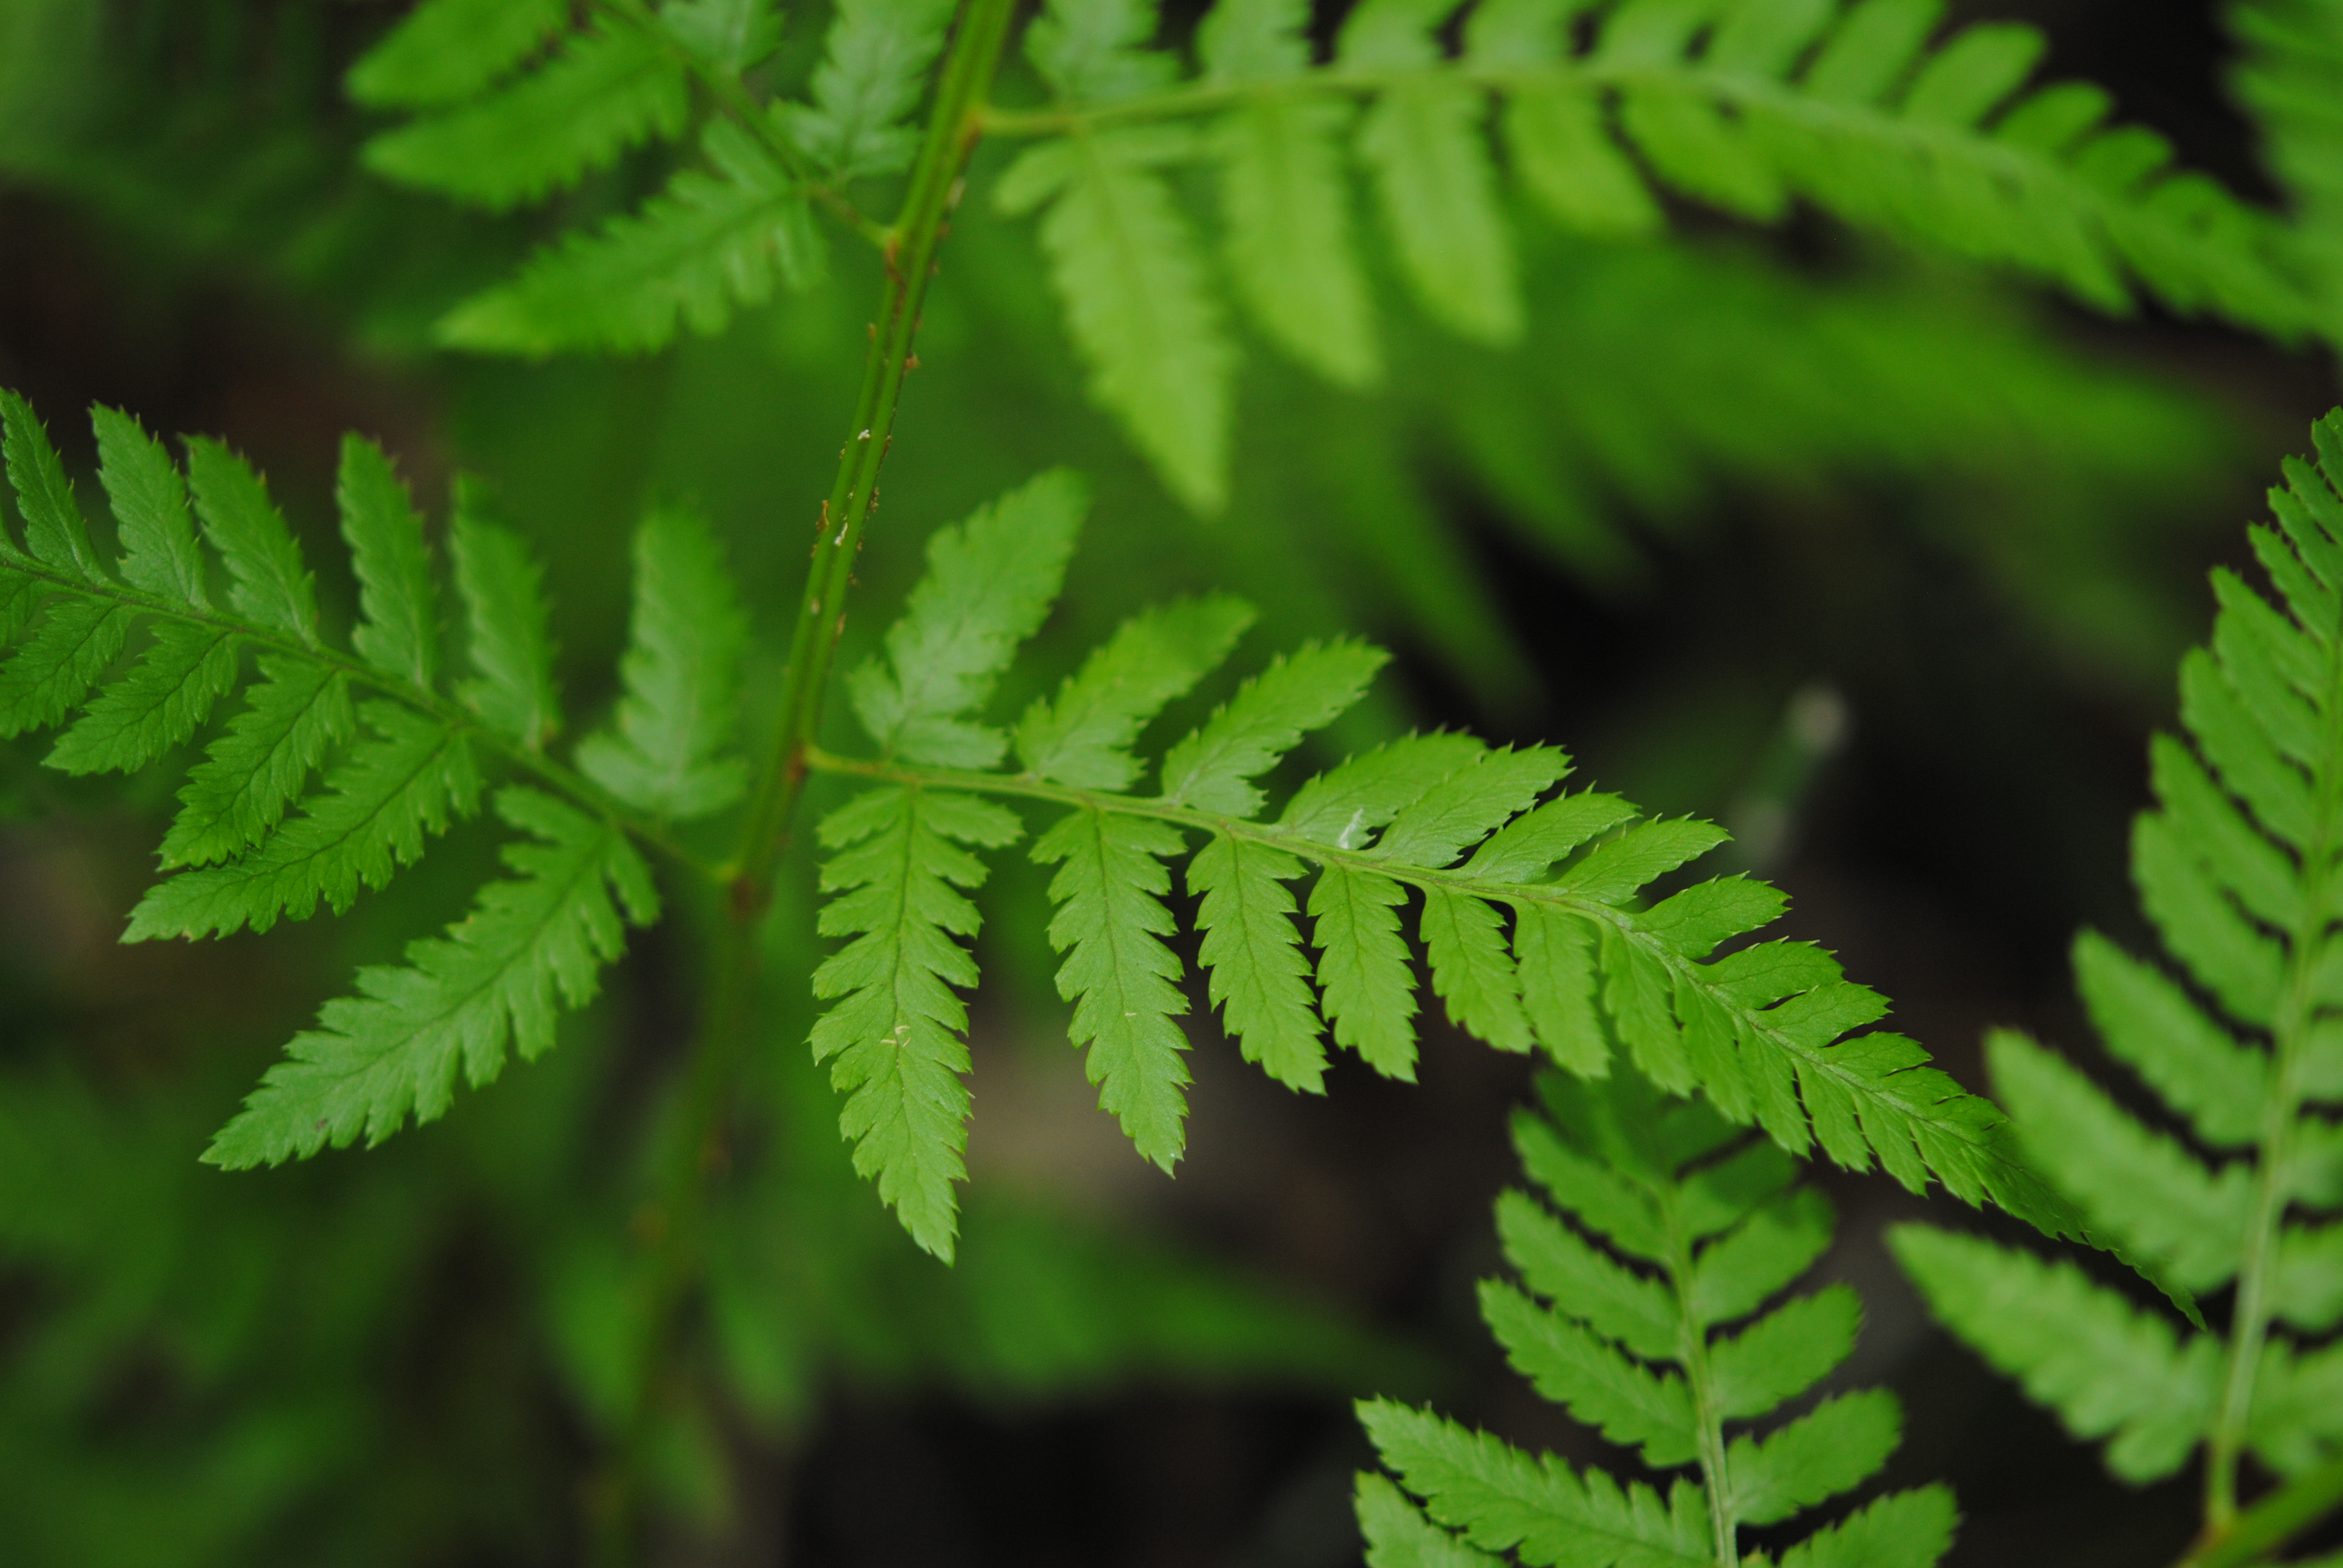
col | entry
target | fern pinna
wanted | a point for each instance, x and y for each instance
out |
(2237, 868)
(1743, 105)
(263, 834)
(1703, 1226)
(1528, 906)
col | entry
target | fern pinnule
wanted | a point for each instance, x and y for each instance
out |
(1677, 1228)
(1534, 914)
(504, 122)
(2237, 867)
(1747, 107)
(402, 758)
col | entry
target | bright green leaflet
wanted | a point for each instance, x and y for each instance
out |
(1678, 1226)
(2237, 868)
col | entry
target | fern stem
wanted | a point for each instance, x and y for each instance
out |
(2274, 1156)
(1693, 1353)
(735, 99)
(697, 1152)
(936, 187)
(2273, 1521)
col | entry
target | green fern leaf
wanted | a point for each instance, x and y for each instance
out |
(2233, 867)
(1362, 968)
(1695, 920)
(1465, 806)
(604, 91)
(533, 941)
(1595, 1195)
(1288, 245)
(2307, 1287)
(1343, 805)
(260, 762)
(894, 1037)
(1762, 1253)
(1835, 1448)
(2148, 1194)
(1903, 1530)
(1121, 977)
(1125, 264)
(1399, 1536)
(1617, 870)
(1095, 50)
(1616, 1303)
(511, 646)
(681, 669)
(729, 34)
(990, 583)
(1525, 848)
(1284, 198)
(874, 67)
(1568, 165)
(445, 51)
(1785, 1352)
(1082, 737)
(53, 530)
(1554, 955)
(2297, 1415)
(1471, 969)
(1629, 1405)
(1423, 145)
(2104, 1365)
(1253, 953)
(49, 676)
(271, 583)
(713, 242)
(408, 782)
(398, 629)
(1271, 712)
(1633, 1353)
(1503, 1499)
(159, 553)
(157, 705)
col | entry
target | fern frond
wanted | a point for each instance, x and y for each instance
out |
(1126, 265)
(676, 722)
(398, 627)
(445, 51)
(1637, 1355)
(2286, 79)
(729, 34)
(403, 759)
(1284, 196)
(894, 1039)
(2109, 1368)
(715, 241)
(411, 779)
(262, 763)
(507, 616)
(989, 582)
(874, 67)
(1859, 108)
(1533, 917)
(2237, 868)
(1111, 924)
(533, 941)
(605, 90)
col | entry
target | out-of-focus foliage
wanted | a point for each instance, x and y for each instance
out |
(2235, 866)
